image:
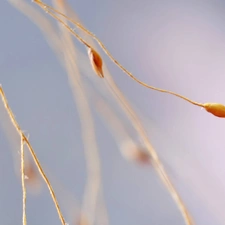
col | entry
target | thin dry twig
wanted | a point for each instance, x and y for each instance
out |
(25, 139)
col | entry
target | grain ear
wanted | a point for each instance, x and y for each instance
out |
(96, 62)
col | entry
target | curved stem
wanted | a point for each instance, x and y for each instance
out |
(45, 6)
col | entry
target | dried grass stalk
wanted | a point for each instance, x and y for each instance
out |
(25, 140)
(23, 180)
(152, 151)
(50, 9)
(129, 149)
(93, 185)
(134, 119)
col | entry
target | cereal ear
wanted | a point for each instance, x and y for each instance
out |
(216, 109)
(96, 62)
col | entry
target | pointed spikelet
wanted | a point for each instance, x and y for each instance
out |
(216, 109)
(96, 62)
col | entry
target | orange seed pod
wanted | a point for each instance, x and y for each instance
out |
(96, 62)
(216, 109)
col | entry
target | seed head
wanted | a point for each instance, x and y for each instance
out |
(216, 109)
(135, 153)
(82, 220)
(32, 177)
(96, 62)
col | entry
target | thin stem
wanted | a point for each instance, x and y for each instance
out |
(103, 212)
(132, 116)
(23, 180)
(44, 6)
(140, 130)
(156, 161)
(25, 139)
(56, 43)
(88, 136)
(68, 27)
(93, 186)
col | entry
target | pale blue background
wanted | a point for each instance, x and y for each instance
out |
(176, 45)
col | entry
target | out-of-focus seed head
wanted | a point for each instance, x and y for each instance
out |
(82, 220)
(32, 177)
(216, 109)
(135, 153)
(96, 62)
